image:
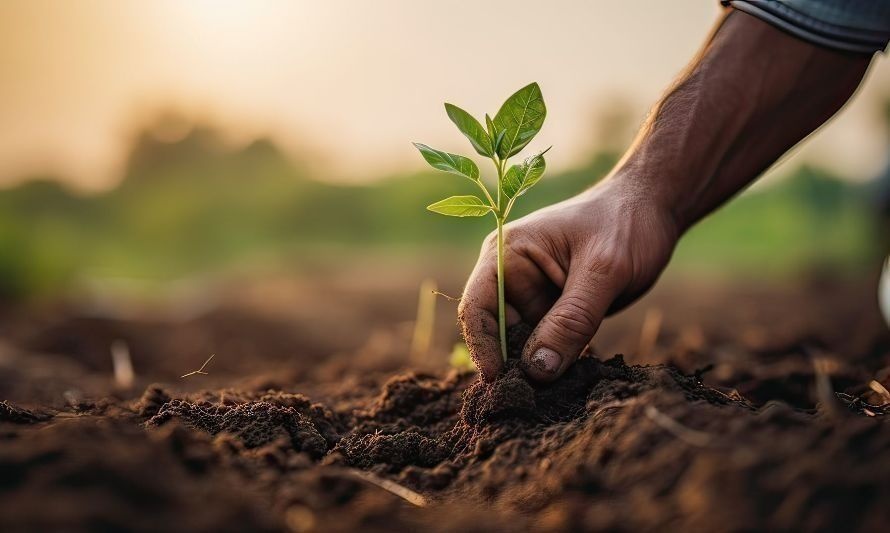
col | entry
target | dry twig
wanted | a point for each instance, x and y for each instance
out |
(425, 323)
(392, 487)
(122, 364)
(447, 297)
(200, 370)
(687, 435)
(878, 387)
(650, 330)
(823, 368)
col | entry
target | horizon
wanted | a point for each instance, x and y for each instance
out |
(241, 66)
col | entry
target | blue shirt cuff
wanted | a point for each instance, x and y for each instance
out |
(861, 26)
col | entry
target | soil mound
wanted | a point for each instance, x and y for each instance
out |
(761, 445)
(309, 427)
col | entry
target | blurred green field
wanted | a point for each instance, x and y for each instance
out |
(195, 207)
(811, 221)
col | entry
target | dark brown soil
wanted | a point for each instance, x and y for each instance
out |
(610, 446)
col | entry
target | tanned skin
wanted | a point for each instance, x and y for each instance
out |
(751, 93)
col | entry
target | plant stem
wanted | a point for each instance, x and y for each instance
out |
(502, 312)
(501, 219)
(491, 202)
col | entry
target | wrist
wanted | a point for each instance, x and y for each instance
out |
(642, 189)
(628, 203)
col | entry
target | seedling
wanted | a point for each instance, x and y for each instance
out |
(460, 358)
(513, 127)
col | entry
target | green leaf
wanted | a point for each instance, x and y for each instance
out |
(493, 132)
(521, 117)
(471, 128)
(499, 139)
(520, 178)
(461, 206)
(455, 164)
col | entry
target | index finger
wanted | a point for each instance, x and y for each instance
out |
(477, 313)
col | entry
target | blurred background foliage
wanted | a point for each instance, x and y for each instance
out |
(146, 144)
(194, 205)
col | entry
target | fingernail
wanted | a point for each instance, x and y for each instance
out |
(546, 360)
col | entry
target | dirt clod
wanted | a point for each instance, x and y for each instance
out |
(510, 395)
(254, 424)
(19, 415)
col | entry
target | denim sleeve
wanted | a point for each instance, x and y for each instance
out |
(861, 26)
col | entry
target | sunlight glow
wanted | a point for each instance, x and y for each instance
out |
(76, 80)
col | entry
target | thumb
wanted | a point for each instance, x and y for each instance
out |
(568, 327)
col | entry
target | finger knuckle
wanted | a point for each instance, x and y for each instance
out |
(574, 317)
(610, 265)
(490, 242)
(519, 241)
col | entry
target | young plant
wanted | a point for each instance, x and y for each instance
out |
(513, 127)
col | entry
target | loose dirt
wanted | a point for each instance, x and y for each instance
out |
(610, 446)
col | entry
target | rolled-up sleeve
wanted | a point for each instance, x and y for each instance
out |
(861, 26)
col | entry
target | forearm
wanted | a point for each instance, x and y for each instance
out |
(752, 93)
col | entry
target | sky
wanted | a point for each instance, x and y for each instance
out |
(350, 82)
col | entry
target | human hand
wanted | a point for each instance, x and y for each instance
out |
(567, 266)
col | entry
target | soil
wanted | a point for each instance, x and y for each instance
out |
(793, 438)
